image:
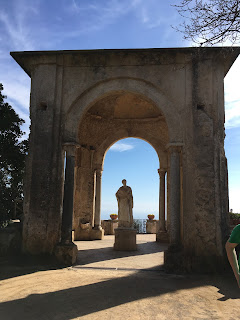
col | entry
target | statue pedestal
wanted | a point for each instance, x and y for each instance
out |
(125, 239)
(88, 233)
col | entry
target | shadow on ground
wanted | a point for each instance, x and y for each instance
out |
(19, 265)
(108, 253)
(111, 289)
(87, 299)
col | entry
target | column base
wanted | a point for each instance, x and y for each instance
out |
(97, 234)
(125, 239)
(66, 253)
(162, 236)
(88, 234)
(176, 260)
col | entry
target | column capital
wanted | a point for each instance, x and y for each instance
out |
(162, 171)
(174, 147)
(99, 171)
(70, 147)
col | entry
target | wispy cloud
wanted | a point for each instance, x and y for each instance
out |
(232, 114)
(120, 147)
(14, 23)
(16, 34)
(151, 14)
(17, 90)
(99, 14)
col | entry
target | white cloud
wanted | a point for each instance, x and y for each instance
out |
(145, 17)
(18, 34)
(99, 14)
(18, 91)
(232, 114)
(151, 14)
(120, 147)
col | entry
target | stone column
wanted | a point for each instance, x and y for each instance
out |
(67, 215)
(97, 231)
(175, 195)
(94, 197)
(97, 216)
(66, 251)
(162, 235)
(162, 173)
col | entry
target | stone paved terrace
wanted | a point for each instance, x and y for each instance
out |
(100, 255)
(106, 284)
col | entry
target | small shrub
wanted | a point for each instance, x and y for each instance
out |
(234, 216)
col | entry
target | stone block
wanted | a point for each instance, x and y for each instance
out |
(151, 226)
(82, 232)
(109, 226)
(97, 234)
(162, 236)
(125, 239)
(88, 234)
(66, 253)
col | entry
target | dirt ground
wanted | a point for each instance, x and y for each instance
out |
(106, 284)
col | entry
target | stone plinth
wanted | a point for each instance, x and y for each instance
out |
(66, 253)
(97, 234)
(162, 236)
(178, 260)
(151, 226)
(109, 226)
(87, 233)
(125, 239)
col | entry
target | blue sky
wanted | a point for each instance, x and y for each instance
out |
(97, 24)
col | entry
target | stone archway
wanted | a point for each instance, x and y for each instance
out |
(140, 87)
(112, 117)
(185, 86)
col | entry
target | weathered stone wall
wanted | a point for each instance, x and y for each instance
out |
(44, 171)
(205, 198)
(84, 188)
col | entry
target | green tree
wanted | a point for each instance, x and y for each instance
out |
(12, 159)
(208, 22)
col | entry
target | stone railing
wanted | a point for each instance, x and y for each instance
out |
(141, 225)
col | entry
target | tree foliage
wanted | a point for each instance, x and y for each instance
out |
(12, 159)
(208, 22)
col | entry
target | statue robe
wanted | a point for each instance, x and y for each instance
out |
(125, 205)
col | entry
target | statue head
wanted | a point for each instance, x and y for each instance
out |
(124, 182)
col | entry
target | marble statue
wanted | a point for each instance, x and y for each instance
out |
(125, 205)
